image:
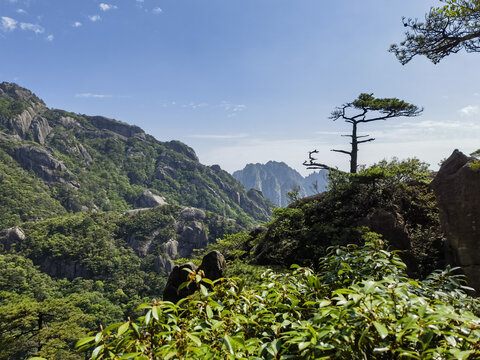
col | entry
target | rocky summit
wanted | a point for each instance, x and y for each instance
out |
(275, 179)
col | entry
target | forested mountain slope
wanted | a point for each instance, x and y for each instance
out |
(54, 162)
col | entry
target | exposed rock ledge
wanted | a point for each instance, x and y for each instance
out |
(457, 189)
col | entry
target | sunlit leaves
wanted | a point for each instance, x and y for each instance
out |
(360, 305)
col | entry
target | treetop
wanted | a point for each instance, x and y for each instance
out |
(385, 108)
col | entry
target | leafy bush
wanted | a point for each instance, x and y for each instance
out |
(302, 232)
(360, 305)
(9, 109)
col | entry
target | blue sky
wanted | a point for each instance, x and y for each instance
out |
(242, 81)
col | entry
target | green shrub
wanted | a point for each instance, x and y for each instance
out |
(360, 305)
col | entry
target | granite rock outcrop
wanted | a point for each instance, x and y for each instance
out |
(457, 190)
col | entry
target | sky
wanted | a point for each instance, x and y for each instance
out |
(243, 81)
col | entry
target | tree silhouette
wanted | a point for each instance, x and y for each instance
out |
(366, 108)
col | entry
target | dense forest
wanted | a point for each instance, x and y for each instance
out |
(96, 217)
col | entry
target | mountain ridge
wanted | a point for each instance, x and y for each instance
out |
(275, 179)
(91, 163)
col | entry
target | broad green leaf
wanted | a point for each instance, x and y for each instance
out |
(203, 290)
(195, 339)
(381, 329)
(228, 343)
(303, 345)
(122, 328)
(85, 340)
(209, 311)
(155, 312)
(97, 351)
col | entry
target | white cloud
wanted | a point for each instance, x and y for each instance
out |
(21, 11)
(233, 109)
(37, 29)
(94, 18)
(140, 1)
(8, 24)
(218, 136)
(90, 95)
(470, 110)
(430, 124)
(106, 7)
(157, 10)
(194, 105)
(50, 37)
(77, 24)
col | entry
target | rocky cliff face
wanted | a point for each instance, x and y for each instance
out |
(275, 179)
(457, 190)
(96, 163)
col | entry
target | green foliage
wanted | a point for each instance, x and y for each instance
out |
(23, 196)
(446, 30)
(475, 165)
(46, 328)
(302, 232)
(110, 170)
(91, 242)
(385, 106)
(93, 268)
(366, 108)
(360, 305)
(11, 108)
(293, 195)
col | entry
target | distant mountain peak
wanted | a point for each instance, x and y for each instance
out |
(274, 179)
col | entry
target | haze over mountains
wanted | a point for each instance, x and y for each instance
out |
(275, 179)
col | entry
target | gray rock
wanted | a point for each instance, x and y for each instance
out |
(64, 268)
(135, 211)
(213, 265)
(170, 248)
(457, 190)
(190, 214)
(177, 277)
(180, 147)
(163, 263)
(192, 235)
(69, 123)
(41, 129)
(391, 226)
(43, 164)
(11, 236)
(141, 247)
(162, 172)
(149, 200)
(123, 129)
(274, 179)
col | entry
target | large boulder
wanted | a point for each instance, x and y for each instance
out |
(213, 266)
(149, 200)
(392, 227)
(457, 190)
(11, 236)
(177, 277)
